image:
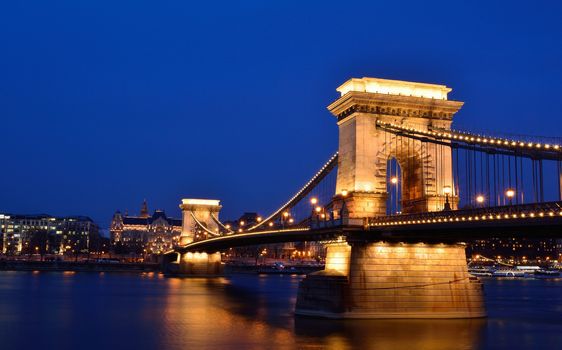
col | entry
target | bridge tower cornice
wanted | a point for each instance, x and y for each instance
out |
(393, 106)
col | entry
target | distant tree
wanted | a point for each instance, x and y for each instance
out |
(38, 242)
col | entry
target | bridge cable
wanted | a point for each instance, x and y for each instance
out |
(488, 190)
(517, 174)
(303, 192)
(541, 181)
(221, 224)
(521, 180)
(560, 180)
(202, 226)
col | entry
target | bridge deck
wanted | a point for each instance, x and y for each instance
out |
(531, 220)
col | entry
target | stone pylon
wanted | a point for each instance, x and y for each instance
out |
(392, 279)
(365, 149)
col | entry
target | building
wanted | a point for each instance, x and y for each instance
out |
(151, 234)
(515, 249)
(47, 234)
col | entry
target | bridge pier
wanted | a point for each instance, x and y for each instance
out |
(200, 264)
(392, 280)
(193, 264)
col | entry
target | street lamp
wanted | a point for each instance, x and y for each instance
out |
(313, 200)
(480, 199)
(284, 218)
(447, 191)
(394, 181)
(510, 193)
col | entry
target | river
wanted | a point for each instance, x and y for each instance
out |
(50, 310)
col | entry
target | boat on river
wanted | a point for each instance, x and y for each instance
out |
(508, 273)
(544, 273)
(481, 271)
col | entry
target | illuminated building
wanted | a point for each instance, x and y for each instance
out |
(516, 249)
(144, 233)
(47, 234)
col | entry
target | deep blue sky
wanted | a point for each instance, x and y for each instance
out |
(105, 103)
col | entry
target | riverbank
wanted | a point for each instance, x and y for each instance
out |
(20, 265)
(95, 266)
(272, 269)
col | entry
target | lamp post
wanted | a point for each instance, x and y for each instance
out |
(447, 191)
(339, 214)
(480, 199)
(283, 218)
(510, 193)
(313, 202)
(394, 182)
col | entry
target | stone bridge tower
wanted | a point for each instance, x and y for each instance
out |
(202, 211)
(391, 278)
(365, 149)
(195, 212)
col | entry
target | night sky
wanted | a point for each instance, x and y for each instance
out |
(106, 103)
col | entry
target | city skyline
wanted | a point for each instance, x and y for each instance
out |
(106, 108)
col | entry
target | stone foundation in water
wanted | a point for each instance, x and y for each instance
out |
(392, 280)
(200, 264)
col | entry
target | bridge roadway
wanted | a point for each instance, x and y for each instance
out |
(539, 220)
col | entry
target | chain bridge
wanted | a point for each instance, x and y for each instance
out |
(395, 205)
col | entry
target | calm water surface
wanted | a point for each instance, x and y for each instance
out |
(149, 311)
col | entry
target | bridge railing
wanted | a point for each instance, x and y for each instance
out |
(531, 210)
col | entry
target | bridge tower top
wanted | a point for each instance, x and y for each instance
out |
(396, 101)
(395, 87)
(193, 204)
(364, 149)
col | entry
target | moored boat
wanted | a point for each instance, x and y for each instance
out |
(508, 273)
(481, 271)
(546, 273)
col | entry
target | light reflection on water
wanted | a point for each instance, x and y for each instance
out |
(132, 311)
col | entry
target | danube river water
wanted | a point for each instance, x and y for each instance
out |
(149, 311)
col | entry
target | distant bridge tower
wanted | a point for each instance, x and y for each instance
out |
(201, 210)
(195, 212)
(364, 150)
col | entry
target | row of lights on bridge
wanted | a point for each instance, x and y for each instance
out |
(480, 198)
(457, 135)
(286, 216)
(530, 215)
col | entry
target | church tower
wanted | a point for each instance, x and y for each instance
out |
(144, 210)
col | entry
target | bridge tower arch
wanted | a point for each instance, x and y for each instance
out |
(364, 148)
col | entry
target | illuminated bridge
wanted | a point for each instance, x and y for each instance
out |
(394, 205)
